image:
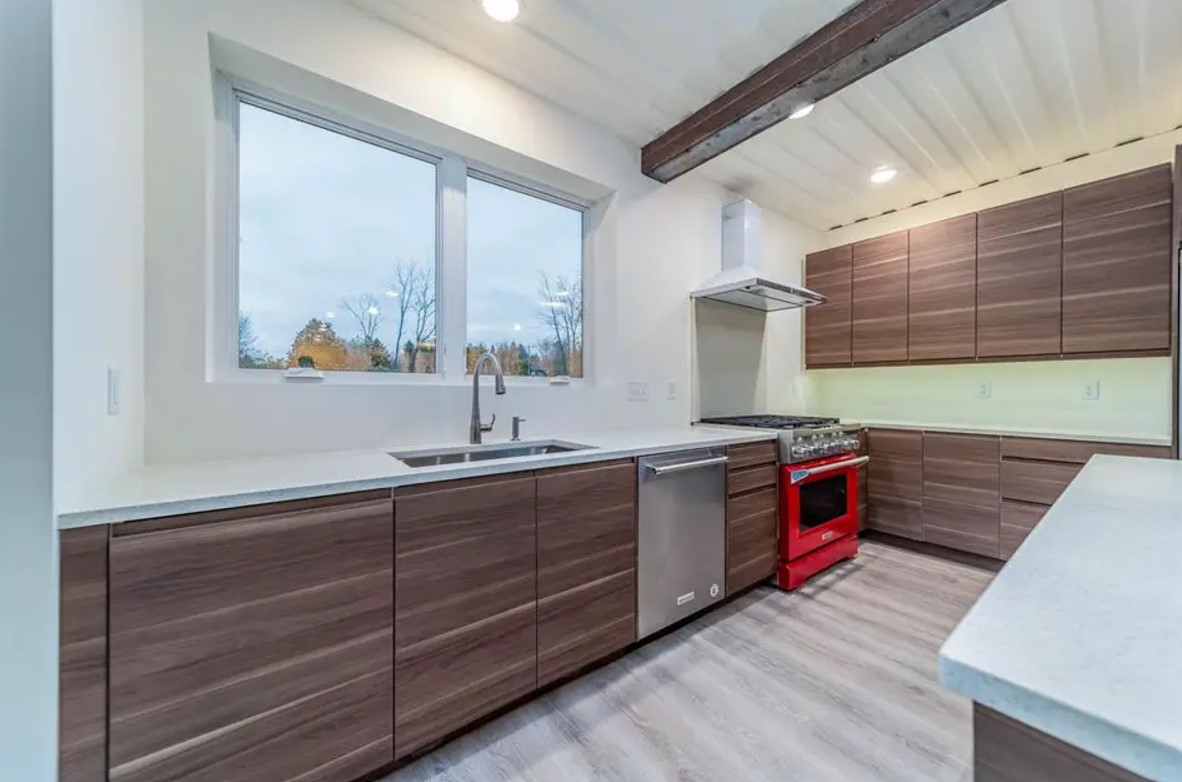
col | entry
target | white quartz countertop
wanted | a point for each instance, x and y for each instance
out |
(1080, 634)
(1013, 431)
(213, 485)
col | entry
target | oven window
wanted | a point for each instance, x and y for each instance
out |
(822, 501)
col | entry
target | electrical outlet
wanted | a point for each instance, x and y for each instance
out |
(114, 392)
(671, 389)
(638, 391)
(1091, 391)
(984, 389)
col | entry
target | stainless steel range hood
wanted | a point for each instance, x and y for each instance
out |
(742, 282)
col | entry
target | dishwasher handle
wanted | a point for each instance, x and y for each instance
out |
(666, 469)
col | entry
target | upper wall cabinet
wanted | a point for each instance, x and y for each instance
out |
(880, 299)
(1019, 274)
(827, 328)
(1116, 263)
(942, 293)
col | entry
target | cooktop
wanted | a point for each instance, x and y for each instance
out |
(772, 421)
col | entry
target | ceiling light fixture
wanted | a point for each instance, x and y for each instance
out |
(883, 175)
(803, 110)
(502, 10)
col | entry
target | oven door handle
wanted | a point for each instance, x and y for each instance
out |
(796, 476)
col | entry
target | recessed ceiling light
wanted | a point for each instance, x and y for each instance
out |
(803, 110)
(502, 10)
(883, 175)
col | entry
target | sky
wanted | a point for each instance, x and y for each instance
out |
(325, 217)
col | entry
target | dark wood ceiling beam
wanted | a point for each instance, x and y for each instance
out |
(857, 43)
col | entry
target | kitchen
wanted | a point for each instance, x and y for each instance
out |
(380, 368)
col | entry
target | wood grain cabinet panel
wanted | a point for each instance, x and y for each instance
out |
(1018, 519)
(751, 478)
(1037, 482)
(83, 665)
(1116, 263)
(255, 645)
(586, 566)
(942, 290)
(961, 492)
(466, 603)
(895, 482)
(828, 327)
(880, 299)
(1074, 451)
(752, 537)
(1019, 278)
(751, 455)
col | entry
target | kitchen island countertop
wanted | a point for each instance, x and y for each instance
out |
(1080, 634)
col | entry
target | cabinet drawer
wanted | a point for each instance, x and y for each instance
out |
(751, 454)
(1017, 521)
(1074, 451)
(895, 516)
(963, 527)
(1037, 482)
(752, 535)
(749, 478)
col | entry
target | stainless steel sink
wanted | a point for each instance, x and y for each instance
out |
(483, 453)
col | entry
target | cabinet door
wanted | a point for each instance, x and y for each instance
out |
(895, 482)
(1116, 263)
(586, 565)
(465, 611)
(827, 327)
(82, 694)
(254, 645)
(942, 290)
(1019, 276)
(1018, 519)
(961, 492)
(880, 299)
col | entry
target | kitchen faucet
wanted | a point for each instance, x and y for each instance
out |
(477, 427)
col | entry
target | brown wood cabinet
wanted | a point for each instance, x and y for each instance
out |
(961, 492)
(827, 328)
(895, 478)
(752, 515)
(1019, 276)
(586, 565)
(879, 309)
(1018, 519)
(942, 290)
(465, 609)
(254, 644)
(82, 698)
(1116, 263)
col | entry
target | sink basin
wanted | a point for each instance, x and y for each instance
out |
(483, 453)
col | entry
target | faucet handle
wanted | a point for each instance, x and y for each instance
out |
(489, 426)
(517, 422)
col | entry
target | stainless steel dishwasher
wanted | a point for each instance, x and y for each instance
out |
(682, 535)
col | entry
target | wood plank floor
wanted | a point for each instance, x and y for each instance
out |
(834, 682)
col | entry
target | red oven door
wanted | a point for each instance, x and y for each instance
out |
(819, 503)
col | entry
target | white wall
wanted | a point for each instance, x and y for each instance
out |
(98, 146)
(660, 242)
(1136, 394)
(28, 558)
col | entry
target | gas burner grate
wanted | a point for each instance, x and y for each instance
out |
(771, 421)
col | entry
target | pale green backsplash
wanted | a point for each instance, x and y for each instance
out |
(1043, 396)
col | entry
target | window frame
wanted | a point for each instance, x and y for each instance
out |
(451, 256)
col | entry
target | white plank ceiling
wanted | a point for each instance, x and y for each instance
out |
(1028, 84)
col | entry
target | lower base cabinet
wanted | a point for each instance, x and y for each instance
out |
(895, 483)
(253, 645)
(465, 609)
(752, 515)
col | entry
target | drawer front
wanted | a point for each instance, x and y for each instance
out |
(752, 537)
(1037, 482)
(895, 516)
(1074, 451)
(751, 454)
(1017, 521)
(750, 478)
(963, 527)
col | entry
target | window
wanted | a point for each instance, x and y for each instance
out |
(525, 287)
(336, 258)
(342, 243)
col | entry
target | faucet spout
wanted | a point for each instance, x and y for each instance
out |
(478, 428)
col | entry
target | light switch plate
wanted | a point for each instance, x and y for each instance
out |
(984, 389)
(670, 389)
(1091, 391)
(114, 392)
(637, 391)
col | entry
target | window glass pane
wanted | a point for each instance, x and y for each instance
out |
(525, 282)
(336, 264)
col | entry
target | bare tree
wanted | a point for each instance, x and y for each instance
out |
(423, 304)
(366, 312)
(403, 289)
(563, 314)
